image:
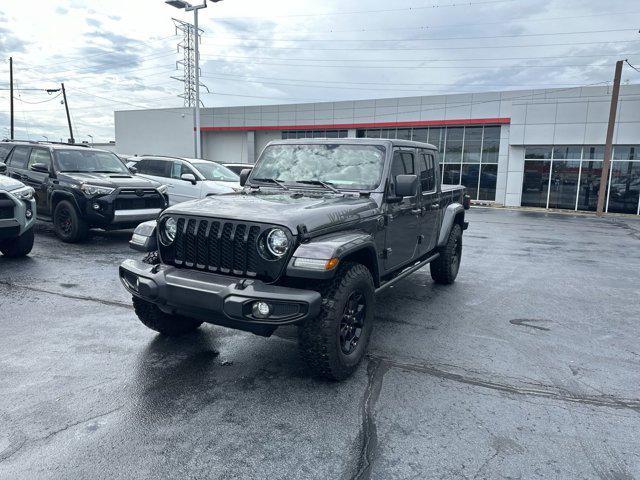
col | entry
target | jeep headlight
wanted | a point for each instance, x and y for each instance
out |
(277, 242)
(168, 231)
(92, 190)
(24, 193)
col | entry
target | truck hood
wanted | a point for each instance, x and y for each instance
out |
(113, 180)
(7, 184)
(288, 209)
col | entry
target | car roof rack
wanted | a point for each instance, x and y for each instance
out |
(85, 145)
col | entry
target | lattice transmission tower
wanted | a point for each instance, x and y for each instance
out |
(186, 46)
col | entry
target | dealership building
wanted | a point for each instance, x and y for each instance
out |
(537, 148)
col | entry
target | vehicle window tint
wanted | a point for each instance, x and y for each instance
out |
(426, 172)
(158, 168)
(19, 157)
(407, 159)
(397, 167)
(4, 152)
(180, 168)
(39, 155)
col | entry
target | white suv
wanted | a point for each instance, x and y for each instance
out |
(187, 178)
(17, 216)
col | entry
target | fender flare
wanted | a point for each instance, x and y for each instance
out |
(450, 214)
(335, 245)
(57, 196)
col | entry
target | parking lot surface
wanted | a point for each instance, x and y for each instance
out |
(527, 367)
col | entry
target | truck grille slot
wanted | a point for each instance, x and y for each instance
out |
(133, 203)
(6, 207)
(221, 246)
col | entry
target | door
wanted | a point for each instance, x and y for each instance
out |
(402, 218)
(183, 190)
(40, 181)
(17, 162)
(429, 200)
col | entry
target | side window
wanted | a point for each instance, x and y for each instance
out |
(180, 168)
(5, 150)
(142, 166)
(159, 168)
(39, 155)
(427, 172)
(19, 157)
(397, 167)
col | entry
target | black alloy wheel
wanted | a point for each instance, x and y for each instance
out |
(64, 221)
(353, 318)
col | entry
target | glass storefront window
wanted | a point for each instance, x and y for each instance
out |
(488, 181)
(570, 152)
(453, 145)
(490, 144)
(420, 135)
(472, 145)
(538, 153)
(451, 174)
(626, 152)
(469, 178)
(388, 133)
(564, 184)
(589, 185)
(403, 134)
(593, 152)
(624, 190)
(535, 183)
(436, 138)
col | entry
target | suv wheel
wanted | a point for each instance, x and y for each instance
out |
(69, 227)
(334, 343)
(444, 269)
(155, 319)
(18, 247)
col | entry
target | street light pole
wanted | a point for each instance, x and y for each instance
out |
(91, 137)
(181, 4)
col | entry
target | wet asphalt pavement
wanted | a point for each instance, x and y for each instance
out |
(527, 367)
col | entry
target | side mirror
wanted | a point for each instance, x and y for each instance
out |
(406, 186)
(3, 168)
(133, 170)
(40, 167)
(244, 174)
(189, 177)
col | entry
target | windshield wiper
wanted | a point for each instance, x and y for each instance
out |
(272, 180)
(320, 183)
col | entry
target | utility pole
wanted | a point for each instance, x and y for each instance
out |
(11, 95)
(604, 177)
(66, 107)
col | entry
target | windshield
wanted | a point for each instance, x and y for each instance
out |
(214, 171)
(89, 161)
(356, 167)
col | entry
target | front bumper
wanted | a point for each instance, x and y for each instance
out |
(19, 222)
(218, 299)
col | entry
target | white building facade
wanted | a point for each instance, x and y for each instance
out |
(539, 148)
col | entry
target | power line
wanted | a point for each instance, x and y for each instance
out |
(429, 39)
(475, 24)
(635, 68)
(386, 10)
(395, 49)
(42, 101)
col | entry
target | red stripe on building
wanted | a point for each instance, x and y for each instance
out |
(346, 126)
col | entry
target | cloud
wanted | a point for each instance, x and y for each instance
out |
(94, 22)
(60, 10)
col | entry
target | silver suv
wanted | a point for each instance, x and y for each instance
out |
(17, 216)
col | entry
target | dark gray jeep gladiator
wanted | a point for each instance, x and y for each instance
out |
(320, 227)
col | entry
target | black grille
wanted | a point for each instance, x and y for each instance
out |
(6, 207)
(221, 246)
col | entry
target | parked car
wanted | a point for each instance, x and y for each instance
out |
(320, 227)
(237, 168)
(17, 216)
(78, 188)
(188, 178)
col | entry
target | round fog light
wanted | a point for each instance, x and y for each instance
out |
(96, 206)
(28, 214)
(261, 309)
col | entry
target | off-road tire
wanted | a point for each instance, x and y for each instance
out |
(155, 319)
(444, 269)
(76, 230)
(319, 338)
(18, 247)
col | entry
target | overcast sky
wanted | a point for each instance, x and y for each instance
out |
(121, 54)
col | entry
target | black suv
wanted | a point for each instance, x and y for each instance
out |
(321, 226)
(78, 188)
